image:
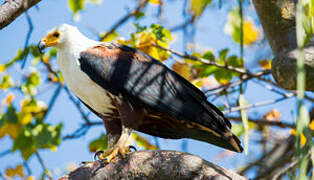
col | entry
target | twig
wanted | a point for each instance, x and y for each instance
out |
(263, 103)
(29, 33)
(183, 25)
(4, 153)
(208, 62)
(125, 18)
(28, 169)
(264, 122)
(81, 130)
(41, 162)
(77, 104)
(224, 87)
(53, 100)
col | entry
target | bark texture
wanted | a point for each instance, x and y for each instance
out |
(153, 165)
(278, 21)
(11, 9)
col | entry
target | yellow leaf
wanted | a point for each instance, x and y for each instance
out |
(9, 99)
(183, 69)
(250, 33)
(197, 83)
(197, 6)
(158, 2)
(25, 118)
(145, 40)
(53, 148)
(265, 64)
(30, 178)
(110, 36)
(312, 125)
(2, 67)
(142, 142)
(17, 171)
(302, 137)
(274, 114)
(10, 129)
(46, 59)
(123, 41)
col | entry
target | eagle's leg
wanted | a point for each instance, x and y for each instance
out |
(119, 148)
(128, 118)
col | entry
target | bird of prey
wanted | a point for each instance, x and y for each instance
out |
(129, 89)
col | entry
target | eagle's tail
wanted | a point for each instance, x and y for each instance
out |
(225, 140)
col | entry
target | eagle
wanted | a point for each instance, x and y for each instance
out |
(130, 90)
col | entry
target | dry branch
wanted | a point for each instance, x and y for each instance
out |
(153, 165)
(11, 9)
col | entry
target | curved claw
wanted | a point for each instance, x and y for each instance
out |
(97, 154)
(132, 147)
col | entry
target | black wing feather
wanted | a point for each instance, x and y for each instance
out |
(151, 83)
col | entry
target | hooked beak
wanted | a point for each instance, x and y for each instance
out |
(41, 46)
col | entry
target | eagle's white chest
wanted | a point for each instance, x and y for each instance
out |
(81, 85)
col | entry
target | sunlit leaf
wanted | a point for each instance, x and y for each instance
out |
(17, 171)
(233, 28)
(302, 137)
(32, 81)
(37, 136)
(312, 125)
(157, 2)
(265, 64)
(142, 142)
(99, 143)
(197, 6)
(273, 114)
(250, 33)
(2, 67)
(110, 37)
(197, 83)
(9, 99)
(6, 82)
(76, 5)
(183, 69)
(223, 76)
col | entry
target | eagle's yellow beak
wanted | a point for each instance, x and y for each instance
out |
(50, 40)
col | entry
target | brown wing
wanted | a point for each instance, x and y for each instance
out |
(148, 84)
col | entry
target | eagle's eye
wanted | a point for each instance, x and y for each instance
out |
(56, 34)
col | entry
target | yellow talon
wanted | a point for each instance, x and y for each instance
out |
(110, 154)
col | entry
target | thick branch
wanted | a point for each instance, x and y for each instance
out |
(11, 9)
(153, 165)
(278, 21)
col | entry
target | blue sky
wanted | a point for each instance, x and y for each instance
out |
(101, 18)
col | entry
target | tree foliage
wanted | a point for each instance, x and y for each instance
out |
(224, 76)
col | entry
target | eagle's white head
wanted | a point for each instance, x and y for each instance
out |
(63, 36)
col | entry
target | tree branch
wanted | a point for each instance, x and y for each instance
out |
(278, 21)
(11, 9)
(153, 165)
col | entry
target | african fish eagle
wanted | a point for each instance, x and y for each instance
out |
(129, 89)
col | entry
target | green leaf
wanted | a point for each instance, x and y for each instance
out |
(32, 81)
(139, 14)
(197, 6)
(222, 56)
(99, 143)
(6, 82)
(76, 5)
(209, 55)
(223, 76)
(10, 116)
(37, 136)
(110, 36)
(242, 102)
